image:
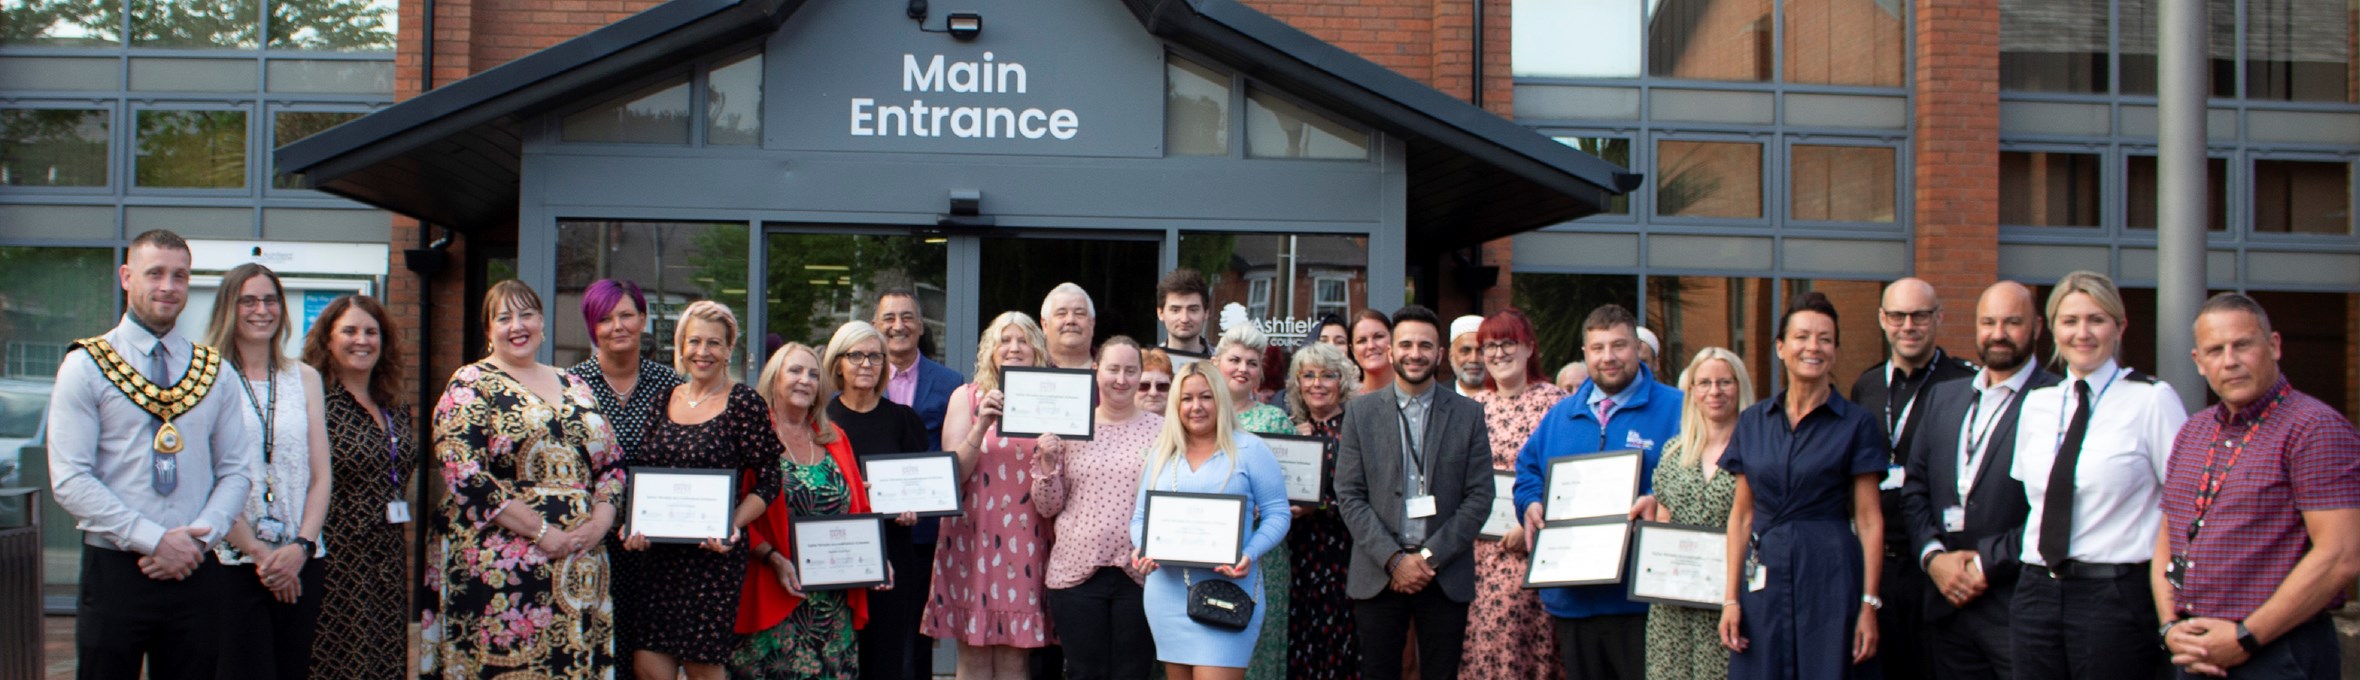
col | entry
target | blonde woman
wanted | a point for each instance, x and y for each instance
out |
(1690, 488)
(988, 565)
(1320, 379)
(854, 365)
(1238, 357)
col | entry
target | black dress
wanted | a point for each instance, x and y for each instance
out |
(364, 598)
(890, 647)
(1324, 642)
(679, 598)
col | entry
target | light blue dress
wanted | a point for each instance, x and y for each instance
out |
(1179, 639)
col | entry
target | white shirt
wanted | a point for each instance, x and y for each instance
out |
(101, 450)
(290, 458)
(2118, 483)
(1991, 402)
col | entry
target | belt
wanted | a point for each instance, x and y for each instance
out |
(2088, 570)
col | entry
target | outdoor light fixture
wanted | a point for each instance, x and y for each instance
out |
(966, 211)
(964, 25)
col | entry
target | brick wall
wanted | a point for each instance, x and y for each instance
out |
(1956, 173)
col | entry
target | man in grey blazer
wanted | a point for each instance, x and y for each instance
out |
(1413, 480)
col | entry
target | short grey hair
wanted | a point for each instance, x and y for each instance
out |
(1245, 335)
(1068, 288)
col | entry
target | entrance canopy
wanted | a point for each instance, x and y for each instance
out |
(453, 155)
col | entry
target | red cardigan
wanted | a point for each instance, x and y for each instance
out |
(764, 603)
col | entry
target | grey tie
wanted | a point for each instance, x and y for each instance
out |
(166, 467)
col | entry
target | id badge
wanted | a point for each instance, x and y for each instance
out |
(2176, 573)
(1954, 519)
(270, 530)
(1421, 507)
(397, 512)
(1893, 478)
(1759, 580)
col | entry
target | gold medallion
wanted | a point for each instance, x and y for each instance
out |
(168, 439)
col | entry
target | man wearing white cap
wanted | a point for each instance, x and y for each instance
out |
(1466, 354)
(1648, 348)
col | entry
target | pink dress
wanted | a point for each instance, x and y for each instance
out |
(989, 563)
(1508, 634)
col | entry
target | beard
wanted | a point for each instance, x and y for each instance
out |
(2001, 355)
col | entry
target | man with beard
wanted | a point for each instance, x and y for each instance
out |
(1895, 390)
(1963, 513)
(153, 464)
(1601, 633)
(1071, 320)
(1466, 355)
(1180, 306)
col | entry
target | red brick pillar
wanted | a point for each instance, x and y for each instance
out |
(1956, 165)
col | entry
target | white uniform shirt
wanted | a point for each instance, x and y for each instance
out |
(101, 447)
(2118, 484)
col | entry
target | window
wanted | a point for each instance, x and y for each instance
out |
(1616, 150)
(289, 126)
(185, 24)
(334, 25)
(1690, 313)
(1710, 40)
(53, 147)
(1331, 296)
(674, 263)
(1575, 38)
(819, 281)
(2139, 18)
(1557, 304)
(2302, 197)
(49, 297)
(1842, 183)
(1845, 42)
(1860, 341)
(2048, 189)
(1708, 179)
(1279, 276)
(2052, 45)
(2299, 50)
(1277, 128)
(1196, 109)
(733, 102)
(656, 114)
(2140, 195)
(191, 149)
(47, 23)
(1258, 297)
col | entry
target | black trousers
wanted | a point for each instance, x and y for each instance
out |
(2085, 629)
(1104, 627)
(1902, 644)
(1384, 621)
(1603, 647)
(891, 648)
(2309, 652)
(125, 620)
(1972, 643)
(269, 638)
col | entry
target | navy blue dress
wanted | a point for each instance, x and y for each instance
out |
(1800, 624)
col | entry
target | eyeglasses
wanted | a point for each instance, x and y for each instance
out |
(247, 301)
(1920, 317)
(1501, 346)
(864, 358)
(1157, 387)
(1319, 376)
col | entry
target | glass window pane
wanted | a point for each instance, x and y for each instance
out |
(2299, 50)
(1277, 128)
(1331, 296)
(334, 25)
(1860, 341)
(674, 263)
(289, 126)
(2139, 19)
(1557, 303)
(228, 24)
(1196, 109)
(52, 23)
(2048, 189)
(819, 281)
(191, 149)
(2302, 197)
(2052, 45)
(49, 297)
(1119, 275)
(1708, 179)
(1294, 278)
(2140, 193)
(53, 147)
(1710, 40)
(2314, 331)
(656, 114)
(1845, 42)
(1575, 38)
(733, 102)
(1690, 313)
(1616, 150)
(1842, 183)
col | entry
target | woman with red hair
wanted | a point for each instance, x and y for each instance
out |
(1508, 635)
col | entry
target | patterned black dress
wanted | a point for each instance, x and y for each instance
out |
(1323, 642)
(631, 417)
(364, 596)
(679, 598)
(816, 640)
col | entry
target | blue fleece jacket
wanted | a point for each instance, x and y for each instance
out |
(1647, 421)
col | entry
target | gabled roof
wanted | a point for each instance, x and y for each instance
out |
(451, 155)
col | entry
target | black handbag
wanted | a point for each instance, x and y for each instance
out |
(1218, 603)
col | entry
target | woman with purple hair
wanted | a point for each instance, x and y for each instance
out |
(631, 390)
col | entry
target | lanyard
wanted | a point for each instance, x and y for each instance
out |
(2208, 487)
(2065, 396)
(393, 453)
(270, 420)
(1976, 442)
(1411, 442)
(1893, 423)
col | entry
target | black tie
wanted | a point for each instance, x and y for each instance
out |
(2056, 513)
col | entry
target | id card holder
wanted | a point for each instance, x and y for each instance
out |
(397, 512)
(1757, 576)
(1954, 519)
(1421, 507)
(2176, 573)
(1894, 475)
(270, 530)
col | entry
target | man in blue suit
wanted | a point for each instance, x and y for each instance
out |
(914, 380)
(1601, 633)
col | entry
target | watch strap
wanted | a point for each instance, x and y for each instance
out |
(2246, 639)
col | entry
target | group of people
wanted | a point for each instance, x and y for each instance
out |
(243, 511)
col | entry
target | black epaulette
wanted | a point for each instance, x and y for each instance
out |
(2141, 376)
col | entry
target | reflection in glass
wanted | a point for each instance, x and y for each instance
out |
(2052, 45)
(674, 263)
(2314, 333)
(1845, 42)
(2299, 50)
(229, 24)
(1616, 150)
(1690, 313)
(53, 147)
(1710, 39)
(2048, 189)
(191, 149)
(1575, 38)
(733, 102)
(1120, 276)
(1708, 179)
(1277, 128)
(49, 297)
(61, 23)
(1196, 109)
(2302, 197)
(1842, 183)
(2140, 194)
(1557, 304)
(334, 25)
(2139, 19)
(1280, 277)
(1860, 341)
(289, 126)
(819, 281)
(656, 114)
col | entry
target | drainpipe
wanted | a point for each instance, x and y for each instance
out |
(1477, 100)
(426, 261)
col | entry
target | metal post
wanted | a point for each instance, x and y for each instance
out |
(2180, 192)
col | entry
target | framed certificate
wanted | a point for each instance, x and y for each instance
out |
(1503, 507)
(1195, 529)
(1038, 401)
(923, 483)
(1592, 485)
(1302, 459)
(839, 552)
(1679, 564)
(683, 505)
(1578, 553)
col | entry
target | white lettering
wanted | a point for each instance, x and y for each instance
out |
(997, 119)
(860, 115)
(1063, 124)
(1011, 69)
(1025, 123)
(928, 79)
(893, 117)
(939, 112)
(967, 121)
(940, 75)
(918, 118)
(967, 84)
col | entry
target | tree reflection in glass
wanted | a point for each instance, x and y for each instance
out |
(61, 23)
(227, 24)
(191, 149)
(333, 25)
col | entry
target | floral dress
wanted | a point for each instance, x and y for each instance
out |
(362, 588)
(683, 598)
(500, 606)
(990, 565)
(1684, 643)
(1508, 634)
(1319, 615)
(1270, 650)
(817, 639)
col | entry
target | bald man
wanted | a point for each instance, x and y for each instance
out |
(1895, 390)
(1964, 513)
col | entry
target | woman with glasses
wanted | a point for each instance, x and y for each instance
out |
(988, 579)
(1319, 614)
(1690, 488)
(1238, 358)
(855, 365)
(1508, 634)
(1093, 594)
(1155, 381)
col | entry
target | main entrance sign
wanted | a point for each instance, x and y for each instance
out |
(870, 118)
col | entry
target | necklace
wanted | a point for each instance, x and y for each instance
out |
(694, 401)
(797, 444)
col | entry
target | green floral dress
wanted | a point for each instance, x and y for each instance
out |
(816, 640)
(1270, 650)
(1685, 642)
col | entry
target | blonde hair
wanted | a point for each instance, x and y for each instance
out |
(1692, 426)
(987, 350)
(2101, 291)
(1323, 355)
(1242, 335)
(1173, 441)
(847, 335)
(707, 311)
(815, 417)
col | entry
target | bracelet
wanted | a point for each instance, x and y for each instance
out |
(542, 533)
(1728, 603)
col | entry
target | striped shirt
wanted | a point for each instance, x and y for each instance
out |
(2301, 456)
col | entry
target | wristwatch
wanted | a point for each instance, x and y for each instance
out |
(2246, 639)
(1873, 602)
(1426, 554)
(310, 547)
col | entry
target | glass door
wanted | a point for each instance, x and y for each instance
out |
(1119, 271)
